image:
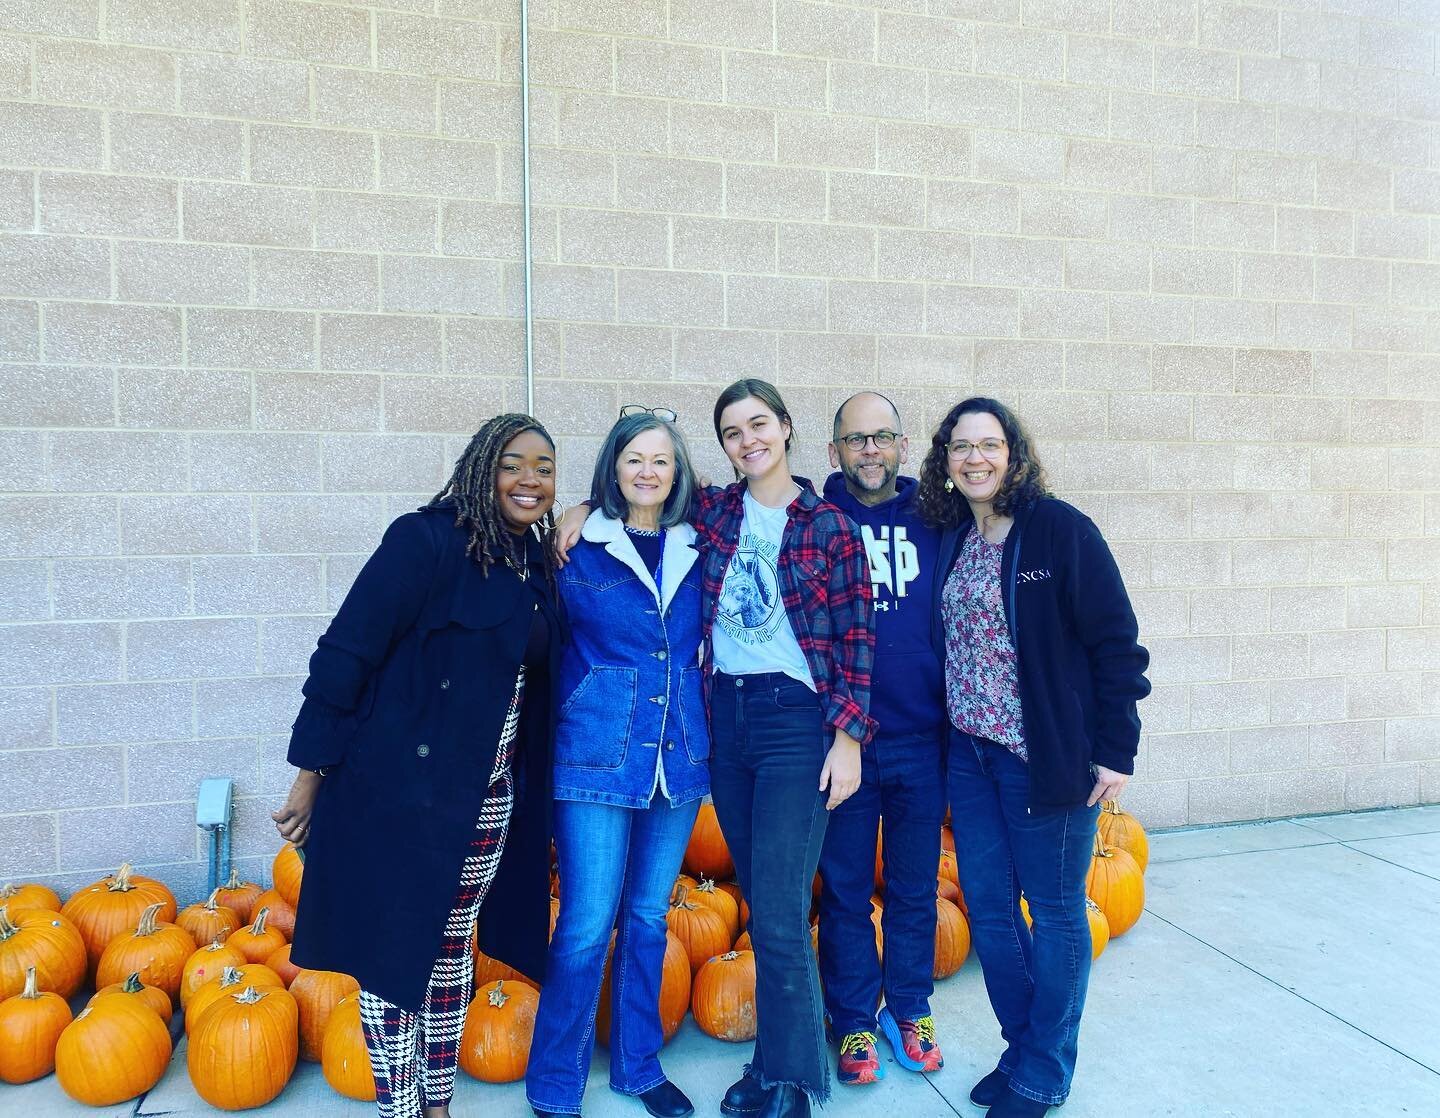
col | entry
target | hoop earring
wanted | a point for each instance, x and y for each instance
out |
(949, 485)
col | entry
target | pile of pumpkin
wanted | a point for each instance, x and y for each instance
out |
(250, 1013)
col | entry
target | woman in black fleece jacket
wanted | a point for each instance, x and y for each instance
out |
(1043, 670)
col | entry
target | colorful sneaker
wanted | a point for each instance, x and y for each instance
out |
(859, 1062)
(913, 1041)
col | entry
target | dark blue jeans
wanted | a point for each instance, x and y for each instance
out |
(1036, 981)
(613, 861)
(768, 743)
(903, 779)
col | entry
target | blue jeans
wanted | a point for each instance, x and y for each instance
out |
(613, 861)
(902, 778)
(769, 743)
(1036, 981)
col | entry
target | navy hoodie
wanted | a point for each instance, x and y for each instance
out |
(907, 693)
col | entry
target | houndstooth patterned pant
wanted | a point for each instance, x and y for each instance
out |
(413, 1055)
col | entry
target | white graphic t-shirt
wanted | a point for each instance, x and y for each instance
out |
(752, 633)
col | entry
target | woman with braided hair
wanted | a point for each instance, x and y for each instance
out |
(423, 746)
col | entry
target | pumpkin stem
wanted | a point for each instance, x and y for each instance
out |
(31, 991)
(729, 955)
(248, 996)
(681, 892)
(498, 997)
(8, 890)
(146, 927)
(707, 885)
(210, 900)
(1110, 807)
(132, 985)
(120, 883)
(231, 976)
(258, 928)
(234, 882)
(7, 929)
(215, 945)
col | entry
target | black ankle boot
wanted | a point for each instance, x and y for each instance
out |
(786, 1101)
(744, 1097)
(665, 1100)
(1011, 1105)
(988, 1091)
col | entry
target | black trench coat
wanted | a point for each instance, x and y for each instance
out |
(407, 693)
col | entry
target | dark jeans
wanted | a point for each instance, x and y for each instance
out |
(769, 743)
(1036, 981)
(902, 778)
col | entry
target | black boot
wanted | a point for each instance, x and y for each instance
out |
(665, 1100)
(786, 1101)
(745, 1097)
(988, 1091)
(1011, 1105)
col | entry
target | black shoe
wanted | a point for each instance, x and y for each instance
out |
(988, 1091)
(1011, 1105)
(745, 1097)
(549, 1113)
(786, 1101)
(665, 1100)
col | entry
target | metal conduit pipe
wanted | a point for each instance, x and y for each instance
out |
(525, 202)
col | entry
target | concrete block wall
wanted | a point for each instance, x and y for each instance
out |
(260, 277)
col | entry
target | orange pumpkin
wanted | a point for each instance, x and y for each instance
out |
(949, 867)
(30, 895)
(674, 990)
(947, 839)
(708, 894)
(286, 871)
(1119, 829)
(114, 1051)
(156, 998)
(723, 1001)
(231, 980)
(243, 1052)
(157, 950)
(952, 938)
(489, 969)
(554, 915)
(101, 911)
(46, 941)
(279, 961)
(282, 913)
(316, 994)
(947, 889)
(208, 921)
(259, 941)
(1117, 886)
(733, 888)
(706, 854)
(743, 943)
(1099, 927)
(344, 1059)
(499, 1026)
(702, 931)
(239, 896)
(208, 962)
(684, 881)
(30, 1028)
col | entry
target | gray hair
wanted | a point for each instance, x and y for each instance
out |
(605, 486)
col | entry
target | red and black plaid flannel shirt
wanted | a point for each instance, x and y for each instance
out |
(825, 585)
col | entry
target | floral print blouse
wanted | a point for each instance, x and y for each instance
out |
(981, 687)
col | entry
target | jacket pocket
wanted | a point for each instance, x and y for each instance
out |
(692, 715)
(596, 718)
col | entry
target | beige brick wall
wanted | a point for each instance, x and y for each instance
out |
(260, 276)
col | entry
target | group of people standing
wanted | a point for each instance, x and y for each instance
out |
(813, 662)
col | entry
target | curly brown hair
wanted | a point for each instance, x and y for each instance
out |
(1024, 479)
(471, 489)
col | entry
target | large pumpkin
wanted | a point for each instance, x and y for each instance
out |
(114, 1051)
(282, 912)
(344, 1059)
(101, 911)
(208, 962)
(723, 1001)
(711, 896)
(702, 931)
(952, 938)
(499, 1027)
(674, 990)
(30, 1028)
(156, 998)
(239, 896)
(29, 895)
(47, 942)
(1117, 886)
(286, 872)
(706, 854)
(1120, 829)
(243, 1051)
(316, 994)
(230, 981)
(157, 950)
(259, 941)
(208, 921)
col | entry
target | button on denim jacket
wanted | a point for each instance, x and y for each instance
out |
(632, 715)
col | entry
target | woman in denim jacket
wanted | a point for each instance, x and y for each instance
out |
(631, 765)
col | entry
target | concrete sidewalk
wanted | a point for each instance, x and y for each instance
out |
(1288, 968)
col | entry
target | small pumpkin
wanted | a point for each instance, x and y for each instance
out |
(208, 962)
(952, 938)
(706, 854)
(344, 1059)
(949, 868)
(708, 894)
(156, 949)
(239, 896)
(132, 987)
(230, 981)
(743, 943)
(243, 1051)
(1117, 886)
(286, 872)
(282, 912)
(499, 1027)
(1099, 928)
(17, 898)
(733, 888)
(702, 931)
(259, 941)
(209, 920)
(30, 1028)
(114, 1051)
(723, 1000)
(112, 905)
(46, 941)
(1122, 830)
(947, 889)
(316, 994)
(279, 961)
